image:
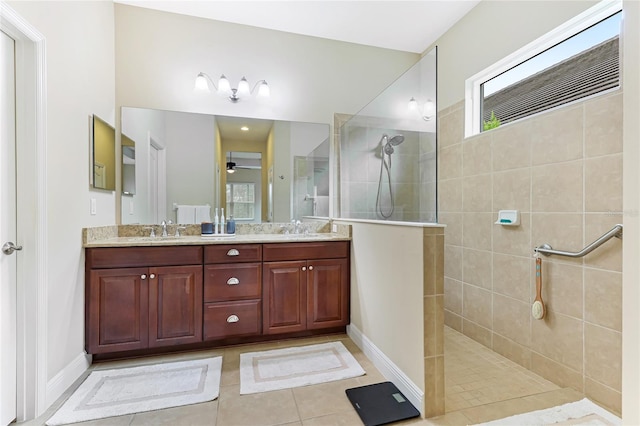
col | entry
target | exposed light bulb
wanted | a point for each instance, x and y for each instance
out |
(413, 104)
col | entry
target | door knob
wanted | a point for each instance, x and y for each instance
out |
(9, 248)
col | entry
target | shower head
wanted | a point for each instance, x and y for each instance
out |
(396, 140)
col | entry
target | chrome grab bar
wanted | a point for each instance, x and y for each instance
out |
(547, 250)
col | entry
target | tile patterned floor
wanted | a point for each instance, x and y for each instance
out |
(480, 386)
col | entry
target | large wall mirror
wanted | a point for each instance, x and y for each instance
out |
(280, 168)
(104, 154)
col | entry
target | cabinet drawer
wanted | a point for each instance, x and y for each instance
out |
(231, 282)
(230, 319)
(228, 253)
(124, 257)
(304, 251)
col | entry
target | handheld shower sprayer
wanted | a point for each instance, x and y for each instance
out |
(387, 149)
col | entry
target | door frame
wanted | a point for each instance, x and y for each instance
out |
(31, 166)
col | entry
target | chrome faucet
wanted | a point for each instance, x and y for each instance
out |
(164, 227)
(297, 227)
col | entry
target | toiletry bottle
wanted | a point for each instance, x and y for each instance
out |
(223, 228)
(215, 222)
(231, 225)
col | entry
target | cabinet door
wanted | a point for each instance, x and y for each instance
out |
(284, 297)
(175, 305)
(117, 311)
(328, 293)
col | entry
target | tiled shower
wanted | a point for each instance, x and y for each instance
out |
(562, 170)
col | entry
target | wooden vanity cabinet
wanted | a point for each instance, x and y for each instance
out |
(305, 286)
(232, 291)
(156, 300)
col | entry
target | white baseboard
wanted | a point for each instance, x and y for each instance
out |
(388, 369)
(66, 377)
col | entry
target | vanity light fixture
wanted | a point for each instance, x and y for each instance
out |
(428, 111)
(204, 83)
(231, 166)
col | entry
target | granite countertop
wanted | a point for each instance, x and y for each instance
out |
(138, 236)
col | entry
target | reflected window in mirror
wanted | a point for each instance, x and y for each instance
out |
(241, 201)
(128, 165)
(104, 155)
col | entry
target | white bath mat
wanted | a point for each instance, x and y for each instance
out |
(297, 366)
(583, 412)
(108, 393)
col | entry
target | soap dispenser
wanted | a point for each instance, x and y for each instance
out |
(231, 225)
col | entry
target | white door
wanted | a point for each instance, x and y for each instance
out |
(8, 302)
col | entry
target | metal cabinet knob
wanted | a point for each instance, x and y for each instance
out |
(152, 276)
(233, 252)
(233, 281)
(304, 268)
(143, 276)
(232, 318)
(311, 268)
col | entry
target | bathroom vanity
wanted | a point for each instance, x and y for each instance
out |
(146, 296)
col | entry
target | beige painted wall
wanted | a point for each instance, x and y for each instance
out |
(80, 82)
(631, 204)
(158, 55)
(563, 171)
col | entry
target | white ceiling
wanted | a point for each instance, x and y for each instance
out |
(410, 26)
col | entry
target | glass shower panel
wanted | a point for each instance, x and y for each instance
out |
(388, 151)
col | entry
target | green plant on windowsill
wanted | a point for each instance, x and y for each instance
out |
(492, 123)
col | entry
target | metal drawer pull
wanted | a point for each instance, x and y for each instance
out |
(152, 276)
(233, 281)
(233, 252)
(233, 318)
(143, 276)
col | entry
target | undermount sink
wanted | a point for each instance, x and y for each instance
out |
(168, 238)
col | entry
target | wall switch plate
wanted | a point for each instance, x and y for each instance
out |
(334, 227)
(93, 206)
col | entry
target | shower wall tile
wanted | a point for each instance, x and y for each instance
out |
(606, 396)
(561, 287)
(512, 277)
(476, 268)
(603, 355)
(476, 305)
(453, 295)
(478, 333)
(513, 240)
(511, 147)
(476, 155)
(603, 184)
(559, 338)
(453, 262)
(450, 163)
(476, 230)
(609, 255)
(512, 190)
(511, 319)
(474, 193)
(451, 128)
(450, 195)
(552, 143)
(453, 231)
(453, 320)
(603, 298)
(557, 187)
(556, 372)
(511, 350)
(603, 125)
(561, 231)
